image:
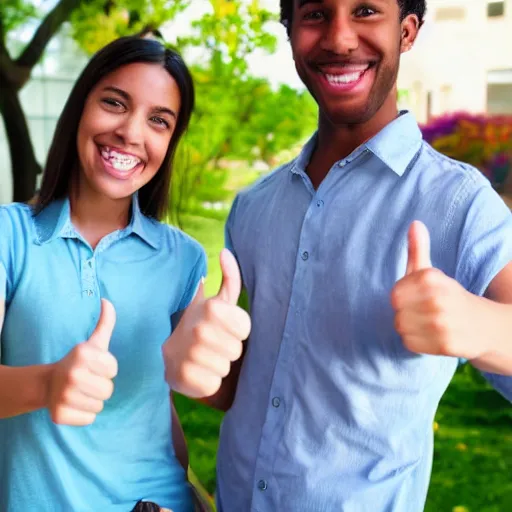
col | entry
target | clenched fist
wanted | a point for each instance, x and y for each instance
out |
(208, 338)
(82, 380)
(434, 314)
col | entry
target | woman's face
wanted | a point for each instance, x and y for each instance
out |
(127, 123)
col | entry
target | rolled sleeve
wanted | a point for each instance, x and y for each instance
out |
(485, 244)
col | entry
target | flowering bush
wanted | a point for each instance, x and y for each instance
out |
(482, 141)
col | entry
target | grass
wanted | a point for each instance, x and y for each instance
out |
(210, 233)
(473, 449)
(473, 440)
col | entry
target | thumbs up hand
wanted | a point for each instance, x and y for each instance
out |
(208, 338)
(81, 381)
(433, 312)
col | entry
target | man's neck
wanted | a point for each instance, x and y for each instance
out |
(336, 142)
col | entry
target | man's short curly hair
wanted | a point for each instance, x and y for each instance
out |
(418, 7)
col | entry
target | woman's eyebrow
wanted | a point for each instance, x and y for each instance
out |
(127, 97)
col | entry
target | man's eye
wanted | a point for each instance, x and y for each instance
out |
(365, 12)
(314, 16)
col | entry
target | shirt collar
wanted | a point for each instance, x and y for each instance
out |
(55, 222)
(395, 145)
(144, 227)
(398, 143)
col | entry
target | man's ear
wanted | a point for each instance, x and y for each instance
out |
(410, 28)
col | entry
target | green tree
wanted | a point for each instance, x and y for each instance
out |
(227, 35)
(279, 120)
(237, 115)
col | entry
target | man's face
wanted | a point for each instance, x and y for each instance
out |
(347, 54)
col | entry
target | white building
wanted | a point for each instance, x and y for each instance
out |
(462, 60)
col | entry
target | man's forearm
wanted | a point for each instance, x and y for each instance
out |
(23, 389)
(223, 399)
(496, 324)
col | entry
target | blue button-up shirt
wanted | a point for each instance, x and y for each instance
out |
(332, 412)
(52, 282)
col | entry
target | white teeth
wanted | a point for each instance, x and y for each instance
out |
(123, 166)
(119, 161)
(346, 78)
(349, 73)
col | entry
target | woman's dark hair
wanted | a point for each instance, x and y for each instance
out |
(418, 7)
(62, 158)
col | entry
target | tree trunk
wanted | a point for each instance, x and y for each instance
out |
(24, 165)
(14, 74)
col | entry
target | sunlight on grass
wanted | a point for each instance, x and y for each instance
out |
(210, 233)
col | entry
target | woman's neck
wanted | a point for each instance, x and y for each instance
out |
(95, 216)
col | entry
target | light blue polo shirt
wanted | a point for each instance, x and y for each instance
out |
(332, 412)
(53, 282)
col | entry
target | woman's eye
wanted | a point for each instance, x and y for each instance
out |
(111, 102)
(160, 121)
(314, 16)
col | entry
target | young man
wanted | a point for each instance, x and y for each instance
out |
(359, 317)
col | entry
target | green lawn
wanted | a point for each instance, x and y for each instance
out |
(473, 450)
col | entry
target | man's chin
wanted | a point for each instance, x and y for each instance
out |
(347, 116)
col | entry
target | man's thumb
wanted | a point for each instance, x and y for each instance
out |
(419, 248)
(105, 326)
(231, 280)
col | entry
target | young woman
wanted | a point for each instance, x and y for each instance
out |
(89, 282)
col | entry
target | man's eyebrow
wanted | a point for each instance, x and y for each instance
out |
(302, 3)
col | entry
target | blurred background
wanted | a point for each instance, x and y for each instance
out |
(253, 114)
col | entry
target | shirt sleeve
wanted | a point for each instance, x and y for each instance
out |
(197, 274)
(5, 265)
(228, 229)
(485, 248)
(485, 242)
(6, 249)
(3, 282)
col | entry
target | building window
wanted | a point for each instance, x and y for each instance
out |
(449, 14)
(495, 9)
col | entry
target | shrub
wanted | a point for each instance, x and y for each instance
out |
(482, 141)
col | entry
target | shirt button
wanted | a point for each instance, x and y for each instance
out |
(305, 255)
(320, 203)
(342, 163)
(90, 263)
(89, 293)
(276, 402)
(262, 485)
